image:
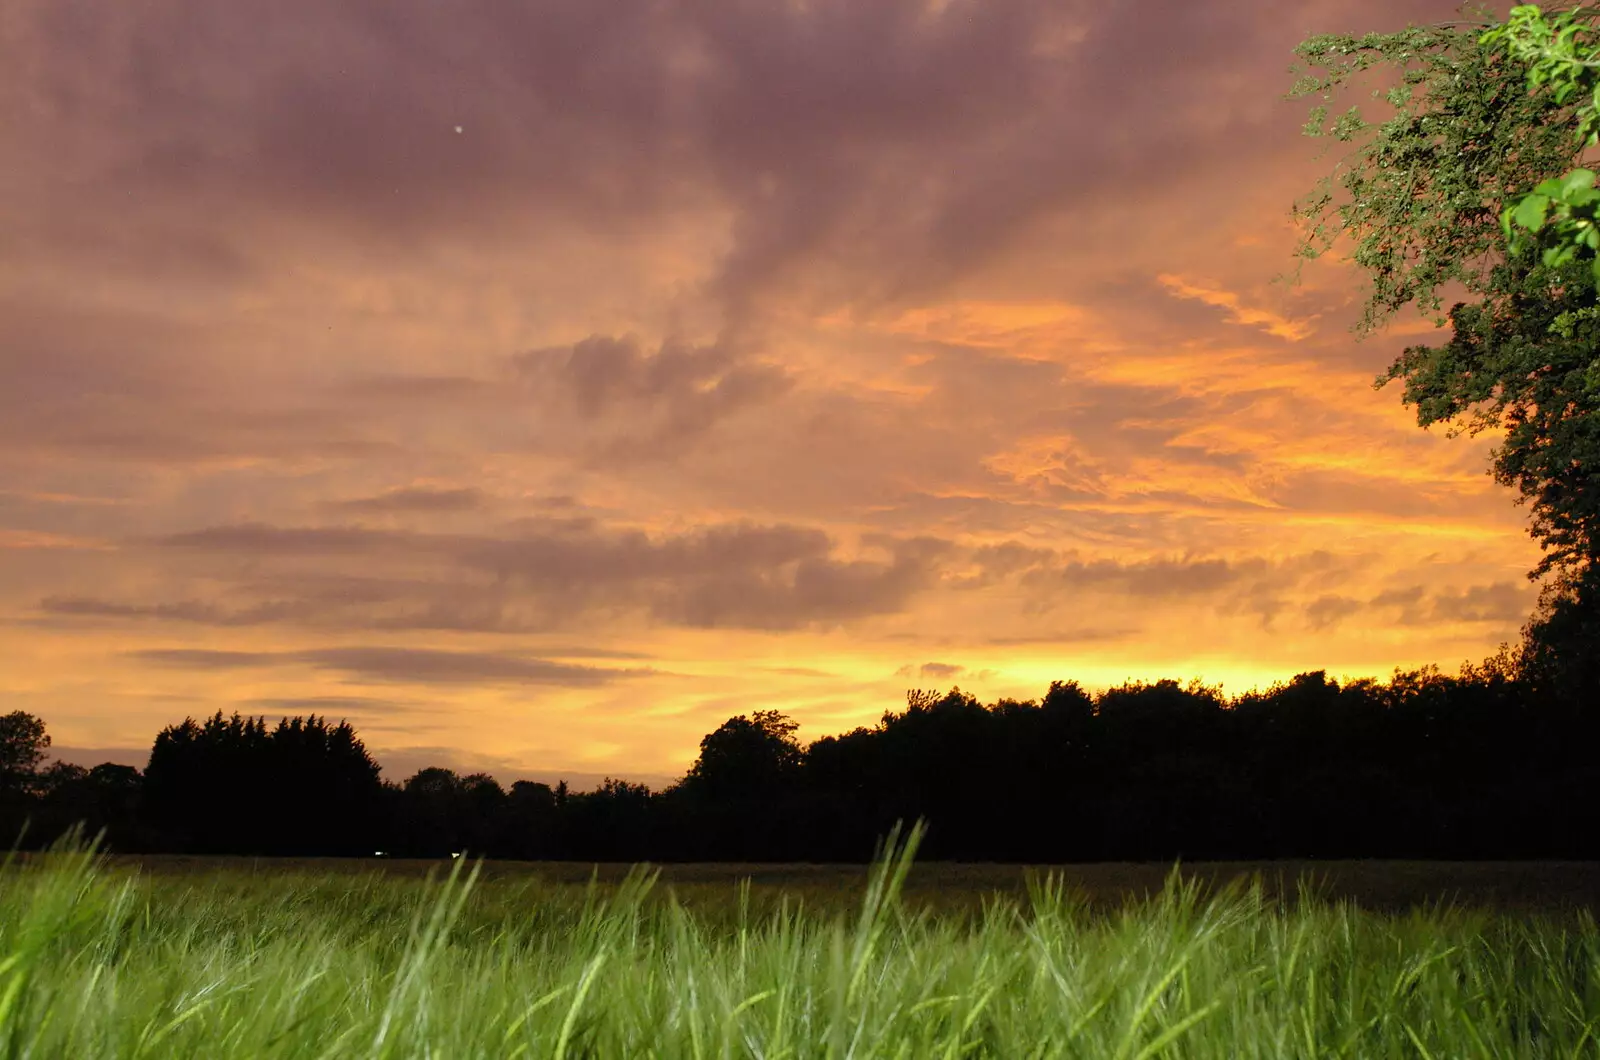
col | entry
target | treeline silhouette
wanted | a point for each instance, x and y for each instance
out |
(1484, 765)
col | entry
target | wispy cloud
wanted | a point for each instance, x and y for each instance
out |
(400, 665)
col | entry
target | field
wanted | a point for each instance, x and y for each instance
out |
(1557, 888)
(221, 958)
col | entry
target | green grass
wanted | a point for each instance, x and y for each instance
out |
(98, 960)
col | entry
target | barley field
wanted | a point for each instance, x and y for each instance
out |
(224, 958)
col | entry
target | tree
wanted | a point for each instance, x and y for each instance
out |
(611, 823)
(747, 772)
(747, 758)
(530, 821)
(105, 800)
(232, 786)
(1427, 198)
(433, 818)
(1553, 56)
(483, 810)
(23, 743)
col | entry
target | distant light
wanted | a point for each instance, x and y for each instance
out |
(380, 853)
(458, 128)
(454, 856)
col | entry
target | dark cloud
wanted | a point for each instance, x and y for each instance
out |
(682, 391)
(261, 539)
(1325, 612)
(422, 665)
(329, 591)
(900, 148)
(1499, 602)
(1406, 597)
(820, 591)
(1146, 578)
(206, 659)
(429, 666)
(418, 499)
(593, 653)
(181, 611)
(543, 559)
(1407, 601)
(1277, 587)
(1064, 636)
(602, 372)
(775, 577)
(473, 609)
(1010, 557)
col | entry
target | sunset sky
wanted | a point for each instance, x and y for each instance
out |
(538, 384)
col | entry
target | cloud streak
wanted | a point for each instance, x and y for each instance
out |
(405, 665)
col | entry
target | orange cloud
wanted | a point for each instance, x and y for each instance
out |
(1270, 322)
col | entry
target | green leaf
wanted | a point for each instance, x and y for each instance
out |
(1505, 221)
(1576, 180)
(1556, 256)
(1529, 213)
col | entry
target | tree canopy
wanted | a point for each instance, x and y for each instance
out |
(1428, 193)
(23, 743)
(1569, 203)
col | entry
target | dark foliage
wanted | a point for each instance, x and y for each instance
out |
(1497, 762)
(230, 785)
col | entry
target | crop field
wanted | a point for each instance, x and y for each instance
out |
(232, 957)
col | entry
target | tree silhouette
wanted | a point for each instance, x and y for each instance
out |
(1560, 650)
(105, 799)
(529, 830)
(745, 769)
(431, 821)
(1488, 763)
(231, 785)
(747, 758)
(23, 743)
(483, 812)
(611, 823)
